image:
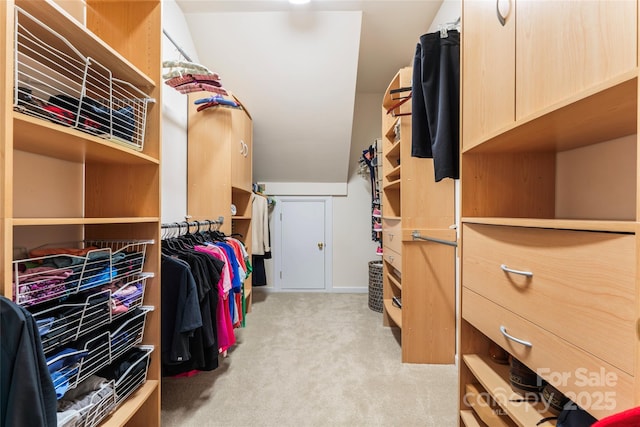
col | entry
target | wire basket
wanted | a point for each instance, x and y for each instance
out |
(64, 323)
(113, 393)
(55, 81)
(106, 347)
(56, 273)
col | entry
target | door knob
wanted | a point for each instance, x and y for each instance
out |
(320, 245)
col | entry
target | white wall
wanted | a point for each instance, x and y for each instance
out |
(353, 247)
(449, 11)
(174, 119)
(352, 244)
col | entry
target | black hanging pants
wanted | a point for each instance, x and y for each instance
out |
(435, 103)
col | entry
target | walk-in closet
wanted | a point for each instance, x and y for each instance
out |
(319, 213)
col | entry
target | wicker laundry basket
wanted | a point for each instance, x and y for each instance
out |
(375, 286)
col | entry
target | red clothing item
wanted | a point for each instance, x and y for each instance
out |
(628, 418)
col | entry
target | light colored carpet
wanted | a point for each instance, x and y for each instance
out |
(313, 359)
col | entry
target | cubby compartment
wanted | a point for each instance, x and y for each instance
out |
(58, 82)
(595, 182)
(241, 199)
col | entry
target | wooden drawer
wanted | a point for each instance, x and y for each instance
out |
(392, 234)
(582, 286)
(393, 258)
(599, 387)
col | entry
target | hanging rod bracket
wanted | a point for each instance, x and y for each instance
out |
(415, 234)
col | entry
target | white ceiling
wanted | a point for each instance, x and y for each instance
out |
(299, 68)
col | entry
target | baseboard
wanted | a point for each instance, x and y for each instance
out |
(349, 290)
(270, 289)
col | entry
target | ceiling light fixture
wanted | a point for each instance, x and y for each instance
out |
(299, 1)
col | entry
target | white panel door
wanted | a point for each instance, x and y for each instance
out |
(303, 245)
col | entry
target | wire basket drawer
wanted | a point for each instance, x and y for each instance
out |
(136, 374)
(64, 368)
(122, 383)
(55, 81)
(104, 348)
(55, 273)
(67, 322)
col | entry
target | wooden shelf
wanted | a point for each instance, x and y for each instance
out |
(565, 224)
(395, 282)
(394, 312)
(82, 221)
(469, 419)
(604, 112)
(395, 185)
(394, 151)
(236, 218)
(390, 134)
(130, 406)
(394, 174)
(39, 136)
(85, 41)
(495, 379)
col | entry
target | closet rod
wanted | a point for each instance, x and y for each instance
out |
(182, 52)
(416, 236)
(218, 221)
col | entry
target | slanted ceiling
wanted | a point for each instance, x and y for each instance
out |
(298, 69)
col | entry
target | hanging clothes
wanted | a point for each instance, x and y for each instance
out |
(27, 394)
(203, 273)
(261, 238)
(435, 105)
(202, 343)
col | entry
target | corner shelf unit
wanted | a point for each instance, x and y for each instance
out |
(62, 184)
(420, 274)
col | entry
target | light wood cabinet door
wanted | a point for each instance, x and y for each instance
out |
(488, 69)
(241, 151)
(564, 47)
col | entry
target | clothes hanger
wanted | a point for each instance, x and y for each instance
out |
(448, 26)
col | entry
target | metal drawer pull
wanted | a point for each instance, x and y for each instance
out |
(502, 18)
(391, 258)
(512, 338)
(511, 270)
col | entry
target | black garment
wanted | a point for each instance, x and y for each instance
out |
(180, 310)
(27, 395)
(435, 103)
(259, 274)
(206, 271)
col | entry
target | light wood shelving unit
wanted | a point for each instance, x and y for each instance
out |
(114, 190)
(220, 171)
(527, 144)
(420, 273)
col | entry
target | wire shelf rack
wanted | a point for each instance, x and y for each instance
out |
(63, 323)
(56, 273)
(55, 81)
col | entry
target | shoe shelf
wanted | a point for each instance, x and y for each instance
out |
(494, 378)
(393, 312)
(470, 420)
